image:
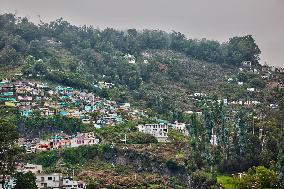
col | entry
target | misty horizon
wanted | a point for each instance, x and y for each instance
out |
(219, 20)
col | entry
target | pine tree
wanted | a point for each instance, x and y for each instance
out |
(8, 148)
(241, 128)
(209, 132)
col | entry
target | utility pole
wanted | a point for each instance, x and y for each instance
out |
(252, 124)
(125, 139)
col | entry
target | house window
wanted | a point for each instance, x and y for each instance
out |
(42, 179)
(49, 178)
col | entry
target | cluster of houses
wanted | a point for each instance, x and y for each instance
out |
(58, 141)
(132, 60)
(248, 66)
(203, 97)
(267, 68)
(45, 180)
(30, 98)
(268, 73)
(103, 85)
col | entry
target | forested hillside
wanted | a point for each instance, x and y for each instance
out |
(218, 110)
(168, 66)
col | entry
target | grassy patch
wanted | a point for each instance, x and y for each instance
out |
(226, 181)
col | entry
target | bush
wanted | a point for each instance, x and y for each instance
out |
(258, 177)
(176, 136)
(201, 179)
(257, 83)
(141, 138)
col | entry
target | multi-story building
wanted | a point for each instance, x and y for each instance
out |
(160, 131)
(84, 139)
(180, 127)
(57, 181)
(52, 180)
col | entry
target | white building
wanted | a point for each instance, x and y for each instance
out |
(255, 71)
(246, 63)
(69, 183)
(180, 127)
(225, 101)
(56, 181)
(199, 113)
(199, 94)
(213, 140)
(230, 79)
(254, 102)
(130, 58)
(240, 83)
(251, 89)
(105, 85)
(189, 112)
(52, 180)
(160, 131)
(125, 106)
(273, 106)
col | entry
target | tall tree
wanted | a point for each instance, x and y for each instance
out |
(25, 181)
(242, 131)
(8, 148)
(242, 49)
(210, 132)
(280, 162)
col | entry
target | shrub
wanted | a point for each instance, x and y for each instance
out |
(141, 138)
(258, 177)
(201, 179)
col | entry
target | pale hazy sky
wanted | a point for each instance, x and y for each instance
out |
(211, 19)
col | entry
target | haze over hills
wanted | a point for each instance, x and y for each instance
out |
(136, 109)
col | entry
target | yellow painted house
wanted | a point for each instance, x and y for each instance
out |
(10, 104)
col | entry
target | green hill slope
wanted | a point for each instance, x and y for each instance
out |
(149, 68)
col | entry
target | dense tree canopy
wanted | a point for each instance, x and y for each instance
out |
(19, 36)
(81, 56)
(25, 180)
